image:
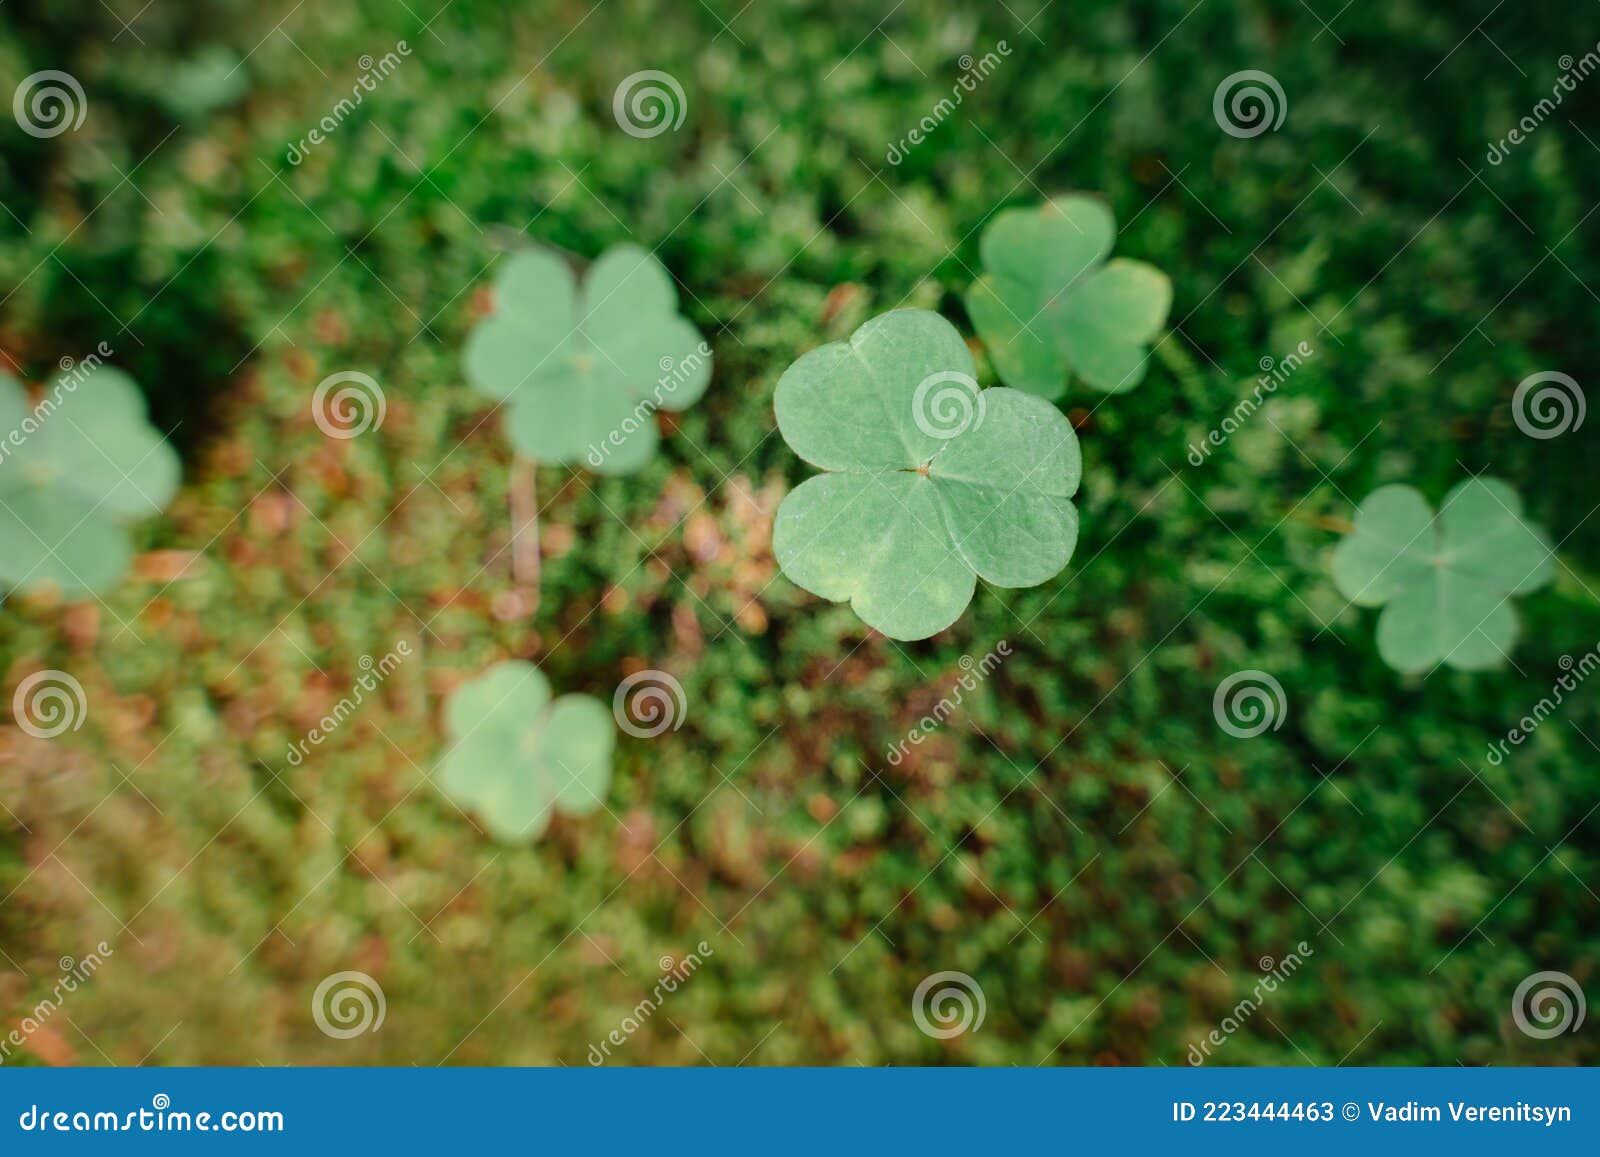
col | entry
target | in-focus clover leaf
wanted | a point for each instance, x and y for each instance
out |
(582, 372)
(1447, 578)
(514, 755)
(930, 481)
(75, 469)
(1049, 303)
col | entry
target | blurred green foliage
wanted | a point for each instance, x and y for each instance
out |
(1081, 837)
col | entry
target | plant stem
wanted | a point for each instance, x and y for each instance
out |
(524, 501)
(1327, 522)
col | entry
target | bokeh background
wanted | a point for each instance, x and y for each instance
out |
(1082, 838)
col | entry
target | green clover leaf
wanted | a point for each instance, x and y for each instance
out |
(931, 481)
(75, 468)
(583, 372)
(515, 755)
(1049, 303)
(1447, 579)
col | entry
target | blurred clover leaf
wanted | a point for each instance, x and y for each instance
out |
(583, 372)
(75, 468)
(1049, 304)
(515, 756)
(931, 481)
(1447, 578)
(213, 78)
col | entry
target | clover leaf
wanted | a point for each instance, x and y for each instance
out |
(930, 481)
(583, 371)
(515, 755)
(1049, 303)
(1446, 578)
(75, 468)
